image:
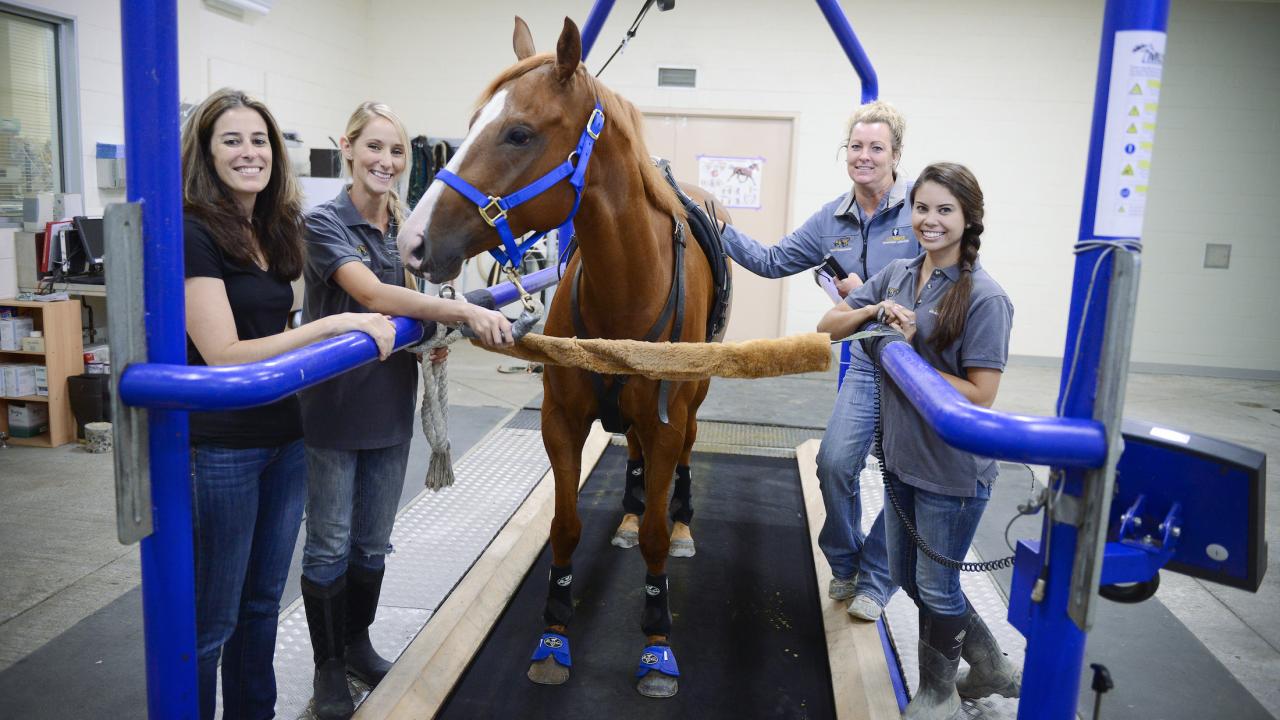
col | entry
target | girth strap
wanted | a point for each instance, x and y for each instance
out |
(607, 397)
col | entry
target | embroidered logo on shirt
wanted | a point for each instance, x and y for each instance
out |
(839, 243)
(897, 235)
(364, 251)
(892, 291)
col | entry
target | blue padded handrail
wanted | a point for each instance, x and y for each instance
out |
(232, 387)
(1061, 442)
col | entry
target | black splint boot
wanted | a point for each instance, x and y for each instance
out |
(326, 607)
(363, 588)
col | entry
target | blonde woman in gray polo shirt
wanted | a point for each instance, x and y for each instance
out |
(358, 426)
(958, 318)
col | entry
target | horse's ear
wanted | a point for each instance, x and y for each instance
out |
(568, 51)
(522, 39)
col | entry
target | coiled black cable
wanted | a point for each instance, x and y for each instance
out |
(919, 541)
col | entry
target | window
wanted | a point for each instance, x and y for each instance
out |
(37, 153)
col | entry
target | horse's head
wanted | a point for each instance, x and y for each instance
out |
(528, 122)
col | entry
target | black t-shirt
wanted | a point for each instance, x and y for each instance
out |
(260, 303)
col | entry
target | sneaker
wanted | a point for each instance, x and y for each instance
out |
(842, 588)
(863, 607)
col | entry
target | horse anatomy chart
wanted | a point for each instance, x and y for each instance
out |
(735, 181)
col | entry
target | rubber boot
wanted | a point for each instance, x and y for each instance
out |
(990, 672)
(363, 587)
(326, 607)
(940, 639)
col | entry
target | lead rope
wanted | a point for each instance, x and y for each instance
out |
(435, 386)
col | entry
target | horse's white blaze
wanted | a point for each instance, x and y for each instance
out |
(418, 221)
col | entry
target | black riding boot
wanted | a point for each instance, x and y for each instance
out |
(363, 588)
(326, 607)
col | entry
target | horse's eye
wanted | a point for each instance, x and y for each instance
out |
(519, 136)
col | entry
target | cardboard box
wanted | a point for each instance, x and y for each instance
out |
(42, 381)
(12, 330)
(19, 380)
(28, 419)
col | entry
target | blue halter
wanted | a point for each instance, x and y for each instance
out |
(494, 209)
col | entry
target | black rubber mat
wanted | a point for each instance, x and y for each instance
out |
(747, 629)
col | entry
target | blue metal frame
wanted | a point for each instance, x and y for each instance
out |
(1055, 644)
(149, 30)
(149, 44)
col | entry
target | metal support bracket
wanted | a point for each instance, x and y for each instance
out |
(1099, 484)
(126, 324)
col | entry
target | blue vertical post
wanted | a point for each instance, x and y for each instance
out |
(840, 27)
(1132, 30)
(595, 20)
(149, 39)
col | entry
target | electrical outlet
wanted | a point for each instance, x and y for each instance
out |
(1217, 256)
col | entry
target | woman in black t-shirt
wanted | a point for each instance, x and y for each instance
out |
(243, 247)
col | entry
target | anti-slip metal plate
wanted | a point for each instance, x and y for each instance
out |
(903, 622)
(437, 538)
(742, 439)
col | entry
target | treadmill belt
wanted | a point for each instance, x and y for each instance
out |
(747, 624)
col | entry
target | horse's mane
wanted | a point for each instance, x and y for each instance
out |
(620, 117)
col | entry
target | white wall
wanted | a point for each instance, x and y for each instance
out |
(1004, 86)
(305, 59)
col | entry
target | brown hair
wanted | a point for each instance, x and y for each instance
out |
(277, 213)
(359, 120)
(954, 307)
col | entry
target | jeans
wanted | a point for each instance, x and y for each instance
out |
(947, 523)
(352, 499)
(248, 511)
(845, 446)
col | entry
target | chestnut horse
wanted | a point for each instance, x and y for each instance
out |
(631, 232)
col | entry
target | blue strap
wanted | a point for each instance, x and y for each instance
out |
(554, 645)
(660, 658)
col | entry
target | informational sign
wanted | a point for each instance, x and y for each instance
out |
(1137, 63)
(734, 181)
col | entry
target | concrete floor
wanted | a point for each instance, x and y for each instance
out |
(62, 562)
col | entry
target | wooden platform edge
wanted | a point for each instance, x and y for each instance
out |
(859, 674)
(427, 671)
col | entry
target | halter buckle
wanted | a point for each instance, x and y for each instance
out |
(594, 129)
(499, 213)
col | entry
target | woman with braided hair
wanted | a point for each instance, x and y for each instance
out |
(958, 319)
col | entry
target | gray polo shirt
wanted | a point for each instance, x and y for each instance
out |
(371, 406)
(836, 229)
(912, 450)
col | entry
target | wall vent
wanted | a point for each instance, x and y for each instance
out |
(681, 77)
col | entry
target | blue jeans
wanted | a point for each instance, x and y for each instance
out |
(947, 523)
(248, 511)
(845, 446)
(352, 499)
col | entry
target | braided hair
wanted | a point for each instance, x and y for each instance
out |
(954, 307)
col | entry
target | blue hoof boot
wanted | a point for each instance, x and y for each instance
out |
(657, 672)
(551, 660)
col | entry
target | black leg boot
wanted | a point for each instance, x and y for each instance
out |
(940, 639)
(326, 607)
(363, 588)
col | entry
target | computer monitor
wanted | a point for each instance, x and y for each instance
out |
(85, 253)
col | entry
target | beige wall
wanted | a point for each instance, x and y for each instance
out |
(1004, 86)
